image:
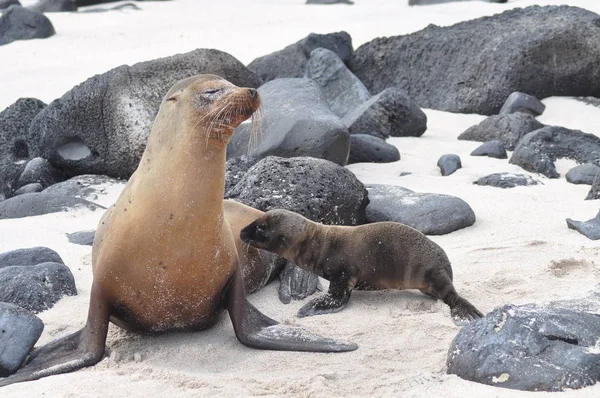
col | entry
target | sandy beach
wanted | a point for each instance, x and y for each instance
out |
(519, 250)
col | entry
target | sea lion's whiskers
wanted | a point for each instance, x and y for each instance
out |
(255, 129)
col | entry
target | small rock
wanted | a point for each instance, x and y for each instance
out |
(54, 6)
(595, 189)
(18, 23)
(390, 112)
(366, 148)
(529, 348)
(318, 189)
(35, 204)
(493, 149)
(297, 121)
(509, 129)
(85, 238)
(342, 90)
(20, 330)
(589, 228)
(583, 174)
(36, 287)
(430, 213)
(329, 2)
(29, 256)
(521, 102)
(39, 170)
(538, 150)
(431, 2)
(292, 60)
(448, 164)
(86, 186)
(29, 188)
(7, 3)
(506, 180)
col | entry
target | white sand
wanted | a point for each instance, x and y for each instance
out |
(512, 254)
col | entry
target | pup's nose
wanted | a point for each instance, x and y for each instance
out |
(253, 93)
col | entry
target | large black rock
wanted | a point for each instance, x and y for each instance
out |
(538, 150)
(508, 128)
(367, 148)
(589, 228)
(432, 214)
(36, 287)
(18, 23)
(529, 348)
(54, 6)
(291, 61)
(318, 189)
(473, 66)
(19, 330)
(583, 174)
(35, 204)
(29, 256)
(101, 126)
(14, 148)
(297, 121)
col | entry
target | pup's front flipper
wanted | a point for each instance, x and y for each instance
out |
(296, 283)
(257, 330)
(334, 300)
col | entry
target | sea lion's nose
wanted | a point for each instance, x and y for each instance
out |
(253, 93)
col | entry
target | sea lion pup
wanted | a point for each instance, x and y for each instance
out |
(164, 258)
(384, 255)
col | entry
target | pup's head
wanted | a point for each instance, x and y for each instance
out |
(276, 231)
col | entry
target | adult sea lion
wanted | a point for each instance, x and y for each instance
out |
(164, 258)
(384, 255)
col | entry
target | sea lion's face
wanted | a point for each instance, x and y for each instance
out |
(211, 104)
(277, 231)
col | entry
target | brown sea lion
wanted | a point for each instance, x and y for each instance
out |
(384, 255)
(164, 257)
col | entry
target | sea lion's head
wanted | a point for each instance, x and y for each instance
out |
(209, 104)
(276, 231)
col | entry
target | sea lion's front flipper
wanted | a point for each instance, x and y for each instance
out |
(257, 330)
(340, 288)
(296, 283)
(75, 351)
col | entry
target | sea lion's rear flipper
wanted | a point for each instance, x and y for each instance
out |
(296, 283)
(257, 330)
(67, 354)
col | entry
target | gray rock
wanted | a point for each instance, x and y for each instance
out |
(35, 204)
(432, 2)
(329, 2)
(292, 60)
(29, 256)
(101, 126)
(126, 6)
(29, 188)
(85, 238)
(36, 287)
(508, 128)
(14, 148)
(39, 170)
(18, 23)
(528, 348)
(7, 3)
(473, 66)
(297, 121)
(538, 150)
(594, 192)
(318, 189)
(20, 330)
(236, 169)
(521, 102)
(493, 149)
(54, 6)
(390, 112)
(342, 90)
(506, 180)
(449, 163)
(430, 213)
(366, 148)
(589, 228)
(87, 186)
(583, 174)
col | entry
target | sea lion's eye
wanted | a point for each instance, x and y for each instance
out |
(282, 239)
(172, 99)
(211, 91)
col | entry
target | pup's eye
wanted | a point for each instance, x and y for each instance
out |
(211, 91)
(282, 239)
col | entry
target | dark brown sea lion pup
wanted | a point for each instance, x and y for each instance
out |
(385, 255)
(164, 257)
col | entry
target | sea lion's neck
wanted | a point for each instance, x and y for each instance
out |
(310, 247)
